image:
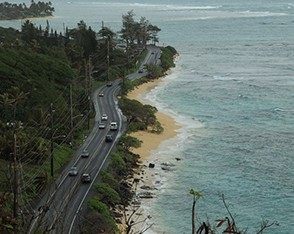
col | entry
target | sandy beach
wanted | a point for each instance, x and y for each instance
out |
(150, 141)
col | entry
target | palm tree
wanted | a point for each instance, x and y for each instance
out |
(5, 103)
(196, 196)
(17, 96)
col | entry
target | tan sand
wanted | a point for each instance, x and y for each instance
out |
(30, 19)
(151, 141)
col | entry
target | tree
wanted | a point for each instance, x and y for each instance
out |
(5, 103)
(196, 196)
(13, 97)
(108, 178)
(102, 215)
(117, 165)
(106, 32)
(144, 35)
(85, 38)
(141, 31)
(153, 31)
(29, 32)
(128, 28)
(128, 141)
(107, 194)
(227, 224)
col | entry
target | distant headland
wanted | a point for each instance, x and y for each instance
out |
(12, 11)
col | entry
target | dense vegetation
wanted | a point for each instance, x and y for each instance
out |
(46, 79)
(10, 11)
(115, 192)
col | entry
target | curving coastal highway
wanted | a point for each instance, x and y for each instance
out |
(60, 210)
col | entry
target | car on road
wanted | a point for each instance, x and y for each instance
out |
(104, 117)
(141, 71)
(85, 153)
(109, 84)
(101, 125)
(113, 126)
(86, 178)
(101, 94)
(108, 138)
(73, 171)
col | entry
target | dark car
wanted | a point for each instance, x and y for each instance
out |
(86, 178)
(108, 138)
(109, 84)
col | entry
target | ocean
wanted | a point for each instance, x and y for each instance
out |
(232, 90)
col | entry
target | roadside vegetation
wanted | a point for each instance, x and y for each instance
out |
(115, 189)
(45, 110)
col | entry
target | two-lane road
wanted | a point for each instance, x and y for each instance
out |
(66, 195)
(153, 57)
(59, 210)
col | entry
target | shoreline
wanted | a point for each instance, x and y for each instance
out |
(146, 177)
(151, 141)
(29, 18)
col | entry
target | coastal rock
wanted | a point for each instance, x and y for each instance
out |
(168, 164)
(136, 180)
(151, 165)
(147, 195)
(146, 187)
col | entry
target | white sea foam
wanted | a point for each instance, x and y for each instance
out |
(215, 14)
(228, 77)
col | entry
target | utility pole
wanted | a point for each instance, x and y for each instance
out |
(51, 141)
(71, 116)
(108, 38)
(89, 110)
(16, 183)
(90, 68)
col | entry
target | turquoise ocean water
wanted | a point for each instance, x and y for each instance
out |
(233, 92)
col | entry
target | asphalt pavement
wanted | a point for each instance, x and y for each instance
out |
(61, 208)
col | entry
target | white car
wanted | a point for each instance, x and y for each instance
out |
(73, 171)
(113, 126)
(85, 154)
(104, 117)
(101, 125)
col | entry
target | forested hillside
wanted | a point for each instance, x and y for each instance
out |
(47, 78)
(39, 76)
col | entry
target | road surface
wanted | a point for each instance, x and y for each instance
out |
(60, 210)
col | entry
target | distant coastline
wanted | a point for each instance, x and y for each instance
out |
(12, 11)
(29, 18)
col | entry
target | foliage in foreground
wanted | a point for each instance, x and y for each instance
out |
(227, 224)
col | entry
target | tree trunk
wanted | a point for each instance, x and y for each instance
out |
(193, 216)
